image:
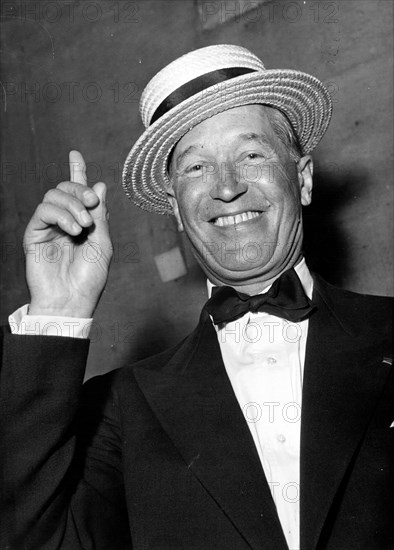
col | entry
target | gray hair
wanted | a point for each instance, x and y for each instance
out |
(284, 131)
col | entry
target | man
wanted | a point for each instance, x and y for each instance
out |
(269, 426)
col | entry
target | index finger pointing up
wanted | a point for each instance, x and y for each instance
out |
(77, 168)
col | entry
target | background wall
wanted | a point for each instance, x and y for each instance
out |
(73, 72)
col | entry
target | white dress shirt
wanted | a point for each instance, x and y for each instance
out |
(48, 325)
(264, 358)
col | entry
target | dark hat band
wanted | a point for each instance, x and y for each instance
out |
(195, 86)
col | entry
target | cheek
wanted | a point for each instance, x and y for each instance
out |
(286, 188)
(187, 205)
(193, 201)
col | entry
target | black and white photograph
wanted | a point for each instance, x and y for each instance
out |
(196, 275)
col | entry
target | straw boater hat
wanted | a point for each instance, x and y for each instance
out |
(201, 84)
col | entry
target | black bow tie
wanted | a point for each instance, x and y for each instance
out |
(286, 298)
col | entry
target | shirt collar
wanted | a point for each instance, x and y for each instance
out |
(303, 274)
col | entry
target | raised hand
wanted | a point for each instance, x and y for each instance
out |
(67, 246)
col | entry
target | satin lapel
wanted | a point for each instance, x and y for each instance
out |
(343, 378)
(194, 401)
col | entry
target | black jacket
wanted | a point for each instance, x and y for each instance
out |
(159, 456)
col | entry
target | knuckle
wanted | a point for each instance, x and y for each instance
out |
(64, 220)
(49, 195)
(40, 209)
(71, 188)
(63, 185)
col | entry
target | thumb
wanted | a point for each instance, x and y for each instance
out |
(100, 235)
(100, 212)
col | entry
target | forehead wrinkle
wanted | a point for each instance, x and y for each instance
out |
(262, 139)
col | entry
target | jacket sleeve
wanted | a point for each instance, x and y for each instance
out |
(61, 473)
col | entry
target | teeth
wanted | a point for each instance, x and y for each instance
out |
(233, 220)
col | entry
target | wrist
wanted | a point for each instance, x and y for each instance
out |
(57, 310)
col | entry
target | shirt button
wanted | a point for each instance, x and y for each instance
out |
(271, 360)
(281, 438)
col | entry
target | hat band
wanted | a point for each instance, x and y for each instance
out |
(195, 86)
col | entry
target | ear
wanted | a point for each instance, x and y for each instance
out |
(305, 178)
(174, 203)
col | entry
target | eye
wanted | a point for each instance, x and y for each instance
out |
(247, 156)
(194, 169)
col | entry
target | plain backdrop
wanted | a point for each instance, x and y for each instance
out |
(72, 75)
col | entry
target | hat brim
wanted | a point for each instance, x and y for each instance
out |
(302, 97)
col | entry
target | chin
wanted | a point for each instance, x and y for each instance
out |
(235, 273)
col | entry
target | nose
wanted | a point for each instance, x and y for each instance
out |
(228, 184)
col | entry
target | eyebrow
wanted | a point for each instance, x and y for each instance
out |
(261, 139)
(185, 153)
(247, 137)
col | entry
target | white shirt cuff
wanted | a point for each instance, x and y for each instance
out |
(46, 325)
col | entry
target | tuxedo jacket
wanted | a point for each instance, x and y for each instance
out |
(158, 455)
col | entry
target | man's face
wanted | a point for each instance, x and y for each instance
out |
(237, 194)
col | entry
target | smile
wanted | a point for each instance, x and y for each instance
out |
(223, 221)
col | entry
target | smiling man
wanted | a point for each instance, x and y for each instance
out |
(237, 193)
(270, 425)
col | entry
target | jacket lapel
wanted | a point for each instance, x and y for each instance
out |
(193, 399)
(343, 378)
(195, 403)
